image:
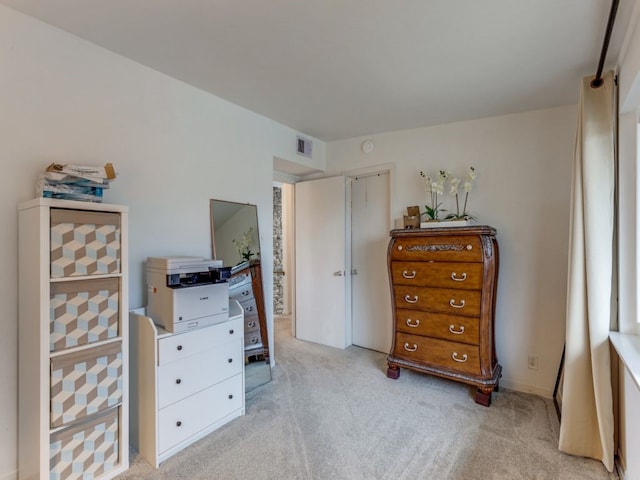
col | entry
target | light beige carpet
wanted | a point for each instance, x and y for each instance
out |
(333, 414)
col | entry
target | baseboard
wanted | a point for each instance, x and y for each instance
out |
(522, 388)
(10, 475)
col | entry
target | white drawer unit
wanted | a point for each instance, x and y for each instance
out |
(184, 419)
(179, 346)
(184, 385)
(73, 340)
(181, 378)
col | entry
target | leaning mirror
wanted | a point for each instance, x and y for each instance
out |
(235, 240)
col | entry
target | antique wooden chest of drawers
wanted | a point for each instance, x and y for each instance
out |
(443, 292)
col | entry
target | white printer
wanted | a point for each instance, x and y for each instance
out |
(184, 293)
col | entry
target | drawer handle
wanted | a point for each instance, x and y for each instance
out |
(410, 349)
(230, 397)
(453, 330)
(463, 359)
(254, 340)
(179, 347)
(412, 323)
(231, 332)
(178, 381)
(230, 360)
(469, 247)
(453, 303)
(408, 299)
(456, 278)
(251, 324)
(406, 274)
(178, 423)
(245, 293)
(249, 308)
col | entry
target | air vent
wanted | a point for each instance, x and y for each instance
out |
(304, 146)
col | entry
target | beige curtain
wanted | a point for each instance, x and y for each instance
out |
(587, 407)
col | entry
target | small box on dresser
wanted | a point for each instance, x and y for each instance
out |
(443, 292)
(72, 340)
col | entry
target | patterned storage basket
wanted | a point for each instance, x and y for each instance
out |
(83, 312)
(84, 243)
(85, 450)
(85, 382)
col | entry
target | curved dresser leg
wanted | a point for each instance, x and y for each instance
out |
(483, 396)
(393, 371)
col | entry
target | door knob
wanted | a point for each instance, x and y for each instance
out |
(338, 273)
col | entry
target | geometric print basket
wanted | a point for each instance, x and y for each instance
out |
(84, 243)
(85, 382)
(83, 312)
(85, 450)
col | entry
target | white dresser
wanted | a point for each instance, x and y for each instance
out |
(184, 385)
(73, 414)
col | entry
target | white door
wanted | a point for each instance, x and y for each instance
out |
(322, 259)
(371, 318)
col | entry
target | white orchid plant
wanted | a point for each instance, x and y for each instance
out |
(434, 187)
(467, 186)
(243, 246)
(435, 191)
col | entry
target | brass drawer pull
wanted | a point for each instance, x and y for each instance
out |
(453, 330)
(408, 299)
(410, 349)
(453, 303)
(454, 355)
(406, 274)
(456, 278)
(412, 323)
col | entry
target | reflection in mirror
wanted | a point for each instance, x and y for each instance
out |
(236, 241)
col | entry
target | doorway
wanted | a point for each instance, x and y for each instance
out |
(368, 319)
(283, 253)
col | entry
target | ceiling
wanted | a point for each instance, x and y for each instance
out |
(336, 69)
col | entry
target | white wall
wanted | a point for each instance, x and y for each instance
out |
(174, 147)
(523, 190)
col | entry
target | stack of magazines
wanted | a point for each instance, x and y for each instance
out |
(75, 182)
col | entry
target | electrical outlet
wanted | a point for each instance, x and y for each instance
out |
(533, 361)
